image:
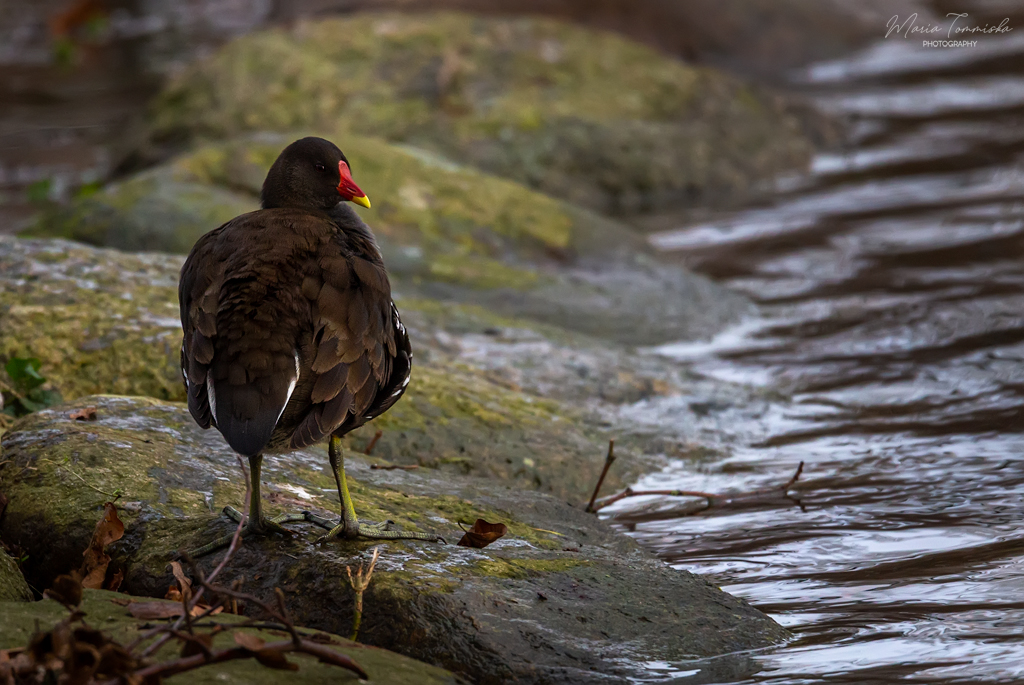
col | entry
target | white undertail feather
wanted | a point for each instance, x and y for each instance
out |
(291, 387)
(211, 394)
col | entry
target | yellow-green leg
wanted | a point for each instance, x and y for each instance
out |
(350, 528)
(257, 524)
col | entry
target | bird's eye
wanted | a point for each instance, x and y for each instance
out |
(321, 168)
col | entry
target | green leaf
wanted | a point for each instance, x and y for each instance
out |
(25, 373)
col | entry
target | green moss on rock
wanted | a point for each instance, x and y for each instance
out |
(106, 611)
(558, 594)
(100, 321)
(13, 587)
(583, 115)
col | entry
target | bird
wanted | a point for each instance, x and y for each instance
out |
(290, 334)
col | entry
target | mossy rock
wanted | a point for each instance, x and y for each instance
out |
(106, 611)
(583, 115)
(102, 321)
(98, 320)
(447, 232)
(13, 587)
(561, 598)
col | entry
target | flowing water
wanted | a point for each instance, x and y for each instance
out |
(891, 286)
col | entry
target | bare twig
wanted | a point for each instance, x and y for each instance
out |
(604, 472)
(238, 530)
(189, 605)
(712, 498)
(359, 584)
(114, 496)
(373, 443)
(169, 668)
(394, 467)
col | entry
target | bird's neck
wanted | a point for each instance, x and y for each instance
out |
(358, 235)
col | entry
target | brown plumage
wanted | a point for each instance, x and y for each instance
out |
(290, 334)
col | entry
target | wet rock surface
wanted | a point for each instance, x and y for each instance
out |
(492, 395)
(106, 611)
(561, 598)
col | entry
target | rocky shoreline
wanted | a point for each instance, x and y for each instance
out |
(532, 321)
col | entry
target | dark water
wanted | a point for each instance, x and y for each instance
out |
(891, 285)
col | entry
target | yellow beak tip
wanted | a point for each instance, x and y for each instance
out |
(363, 200)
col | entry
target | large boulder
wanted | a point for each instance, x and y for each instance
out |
(506, 398)
(583, 115)
(447, 232)
(106, 611)
(561, 598)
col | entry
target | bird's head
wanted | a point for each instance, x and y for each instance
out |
(311, 173)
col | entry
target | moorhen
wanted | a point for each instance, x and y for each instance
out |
(290, 334)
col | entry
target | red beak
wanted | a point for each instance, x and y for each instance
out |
(348, 189)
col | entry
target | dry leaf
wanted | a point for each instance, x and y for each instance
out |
(173, 593)
(184, 584)
(249, 641)
(66, 590)
(115, 580)
(95, 562)
(482, 534)
(194, 645)
(121, 601)
(272, 658)
(84, 414)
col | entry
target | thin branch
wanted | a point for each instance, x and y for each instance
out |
(604, 472)
(238, 530)
(232, 548)
(394, 467)
(169, 668)
(373, 443)
(712, 499)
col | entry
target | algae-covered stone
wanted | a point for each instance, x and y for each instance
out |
(106, 611)
(447, 232)
(561, 598)
(582, 115)
(103, 321)
(98, 320)
(157, 210)
(13, 587)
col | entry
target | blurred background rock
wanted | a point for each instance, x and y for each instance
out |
(526, 99)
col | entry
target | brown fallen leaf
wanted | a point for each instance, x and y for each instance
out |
(94, 565)
(121, 601)
(184, 584)
(195, 644)
(66, 590)
(253, 643)
(115, 580)
(83, 414)
(271, 658)
(482, 534)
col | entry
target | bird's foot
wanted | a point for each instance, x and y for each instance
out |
(256, 525)
(369, 531)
